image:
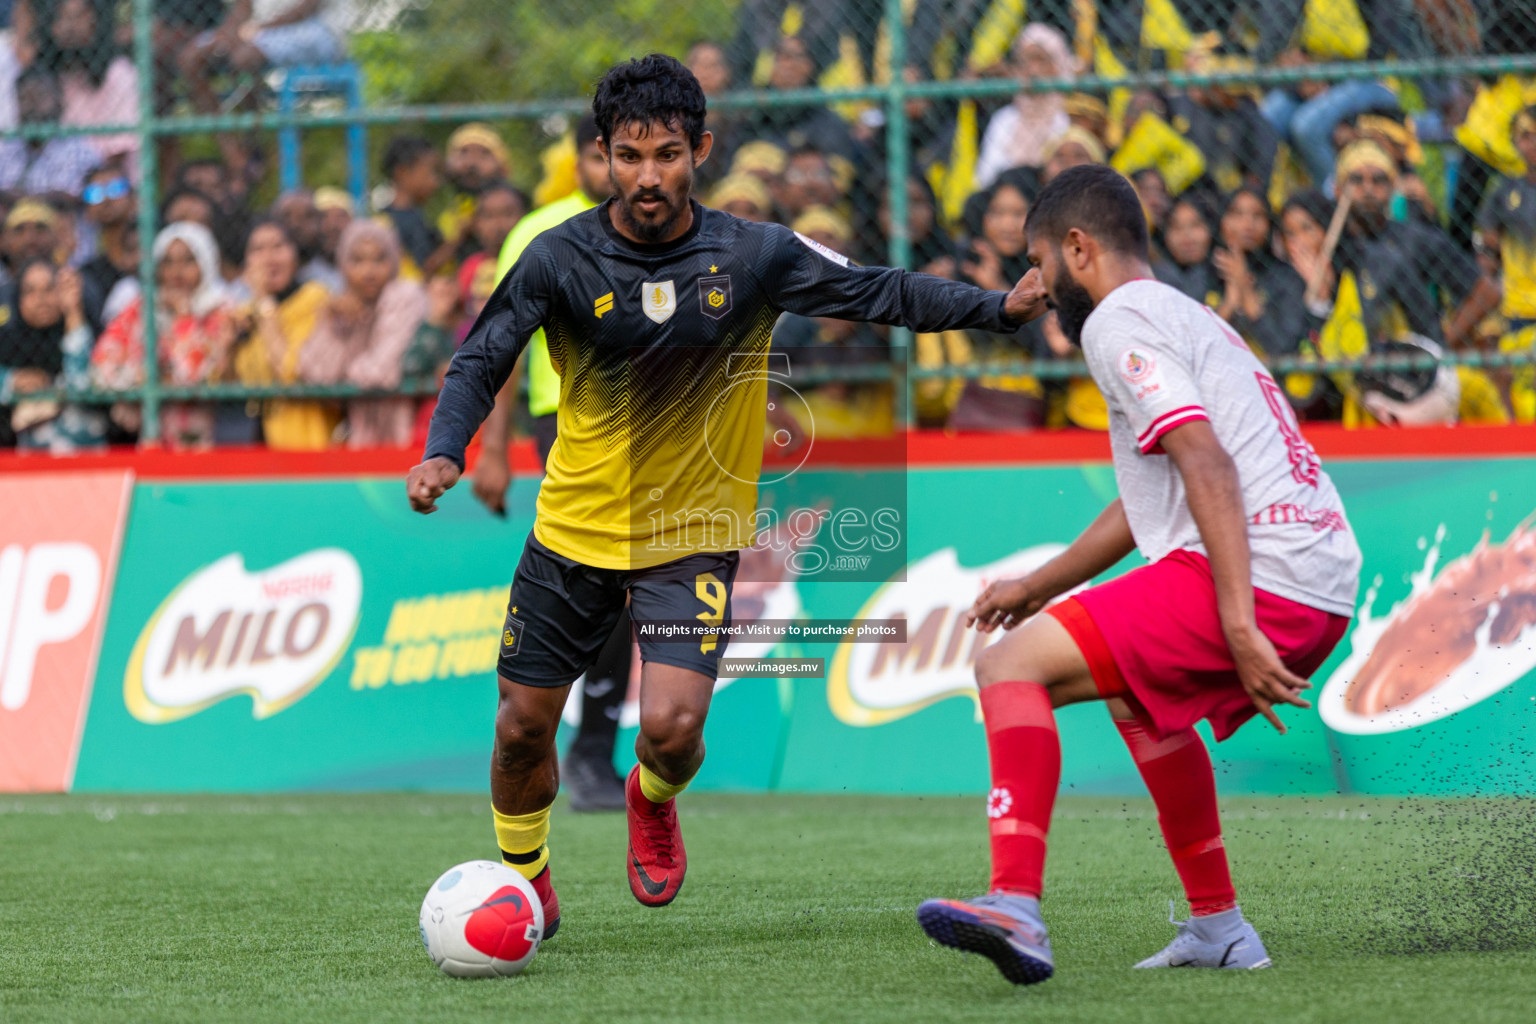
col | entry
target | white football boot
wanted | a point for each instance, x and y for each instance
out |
(1222, 940)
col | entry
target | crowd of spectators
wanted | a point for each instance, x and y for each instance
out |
(1322, 221)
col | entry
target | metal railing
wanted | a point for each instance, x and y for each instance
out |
(892, 97)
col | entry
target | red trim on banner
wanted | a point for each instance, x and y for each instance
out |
(63, 527)
(109, 587)
(1333, 441)
(919, 448)
(260, 463)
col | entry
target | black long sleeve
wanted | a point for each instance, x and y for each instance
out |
(803, 277)
(483, 363)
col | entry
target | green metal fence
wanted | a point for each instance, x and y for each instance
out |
(540, 108)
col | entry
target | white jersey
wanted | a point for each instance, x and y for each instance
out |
(1162, 359)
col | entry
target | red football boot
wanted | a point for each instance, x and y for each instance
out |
(657, 860)
(545, 888)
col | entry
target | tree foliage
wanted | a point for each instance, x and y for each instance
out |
(463, 51)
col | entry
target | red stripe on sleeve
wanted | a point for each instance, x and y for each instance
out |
(1152, 428)
(1153, 443)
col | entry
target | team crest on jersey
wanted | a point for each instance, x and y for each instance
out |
(715, 296)
(1136, 366)
(659, 299)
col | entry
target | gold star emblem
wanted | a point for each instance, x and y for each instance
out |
(713, 268)
(514, 609)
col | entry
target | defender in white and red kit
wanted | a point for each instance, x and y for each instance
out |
(1252, 580)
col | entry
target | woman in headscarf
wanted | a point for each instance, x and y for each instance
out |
(194, 335)
(1152, 189)
(993, 256)
(45, 341)
(1017, 134)
(933, 252)
(364, 333)
(1304, 224)
(275, 321)
(1262, 295)
(1188, 237)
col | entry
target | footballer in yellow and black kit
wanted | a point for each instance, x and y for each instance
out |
(651, 486)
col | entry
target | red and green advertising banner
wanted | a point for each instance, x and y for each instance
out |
(59, 537)
(273, 629)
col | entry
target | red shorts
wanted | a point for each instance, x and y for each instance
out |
(1153, 637)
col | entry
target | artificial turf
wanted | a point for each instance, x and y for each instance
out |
(303, 908)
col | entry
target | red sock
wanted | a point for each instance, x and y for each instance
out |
(1177, 771)
(1026, 769)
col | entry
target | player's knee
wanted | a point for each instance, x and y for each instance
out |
(521, 738)
(672, 729)
(998, 663)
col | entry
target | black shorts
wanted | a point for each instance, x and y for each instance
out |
(562, 611)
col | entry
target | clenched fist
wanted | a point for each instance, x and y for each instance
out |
(1028, 299)
(430, 481)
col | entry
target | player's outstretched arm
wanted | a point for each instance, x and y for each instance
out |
(812, 280)
(1007, 603)
(1216, 503)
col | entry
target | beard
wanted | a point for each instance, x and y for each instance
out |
(468, 182)
(668, 214)
(1367, 219)
(652, 231)
(1073, 306)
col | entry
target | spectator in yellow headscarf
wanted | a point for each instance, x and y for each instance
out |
(476, 157)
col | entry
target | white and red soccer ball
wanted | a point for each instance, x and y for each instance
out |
(481, 920)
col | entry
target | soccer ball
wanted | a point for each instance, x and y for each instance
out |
(481, 920)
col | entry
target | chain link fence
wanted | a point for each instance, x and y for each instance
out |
(1350, 183)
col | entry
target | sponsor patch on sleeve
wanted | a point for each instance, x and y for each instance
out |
(1136, 365)
(834, 256)
(1139, 368)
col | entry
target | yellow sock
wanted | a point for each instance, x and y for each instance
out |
(523, 839)
(657, 789)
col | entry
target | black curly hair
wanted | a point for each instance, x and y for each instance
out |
(650, 89)
(403, 151)
(1094, 199)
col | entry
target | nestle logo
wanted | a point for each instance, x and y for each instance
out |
(271, 634)
(297, 586)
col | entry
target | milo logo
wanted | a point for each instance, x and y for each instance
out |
(272, 635)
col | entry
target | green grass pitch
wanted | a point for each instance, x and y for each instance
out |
(303, 908)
